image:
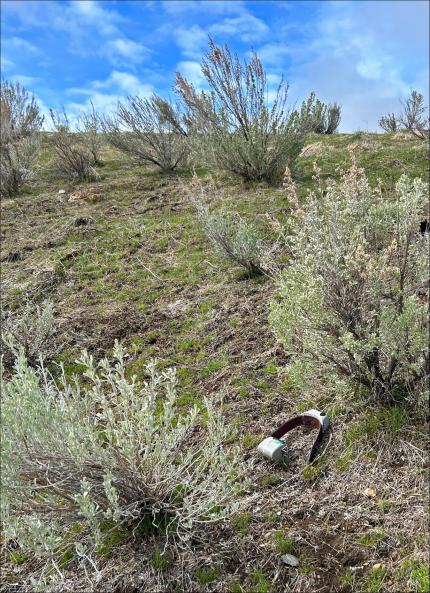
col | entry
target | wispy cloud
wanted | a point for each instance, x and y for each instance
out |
(105, 94)
(20, 44)
(192, 72)
(191, 41)
(214, 7)
(246, 26)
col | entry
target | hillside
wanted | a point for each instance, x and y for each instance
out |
(125, 258)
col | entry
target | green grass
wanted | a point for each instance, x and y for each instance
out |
(283, 545)
(372, 538)
(206, 575)
(374, 581)
(160, 561)
(242, 521)
(259, 583)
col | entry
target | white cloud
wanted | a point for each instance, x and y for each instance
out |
(352, 53)
(178, 7)
(246, 26)
(192, 71)
(24, 80)
(21, 44)
(123, 51)
(274, 53)
(6, 64)
(118, 85)
(191, 40)
(92, 13)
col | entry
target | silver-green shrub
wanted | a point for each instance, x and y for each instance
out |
(84, 457)
(235, 126)
(232, 237)
(74, 160)
(414, 118)
(388, 123)
(151, 131)
(20, 122)
(31, 330)
(353, 302)
(90, 133)
(323, 118)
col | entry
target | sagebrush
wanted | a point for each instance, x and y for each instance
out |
(20, 121)
(74, 160)
(85, 457)
(232, 237)
(32, 330)
(151, 131)
(413, 117)
(234, 124)
(354, 300)
(90, 133)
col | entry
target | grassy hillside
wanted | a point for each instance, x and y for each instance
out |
(124, 258)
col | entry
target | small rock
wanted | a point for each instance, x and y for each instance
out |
(370, 492)
(61, 192)
(290, 560)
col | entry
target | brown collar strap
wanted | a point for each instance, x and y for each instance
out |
(313, 419)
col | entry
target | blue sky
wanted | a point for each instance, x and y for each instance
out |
(364, 54)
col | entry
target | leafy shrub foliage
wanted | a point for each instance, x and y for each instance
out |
(235, 125)
(354, 300)
(82, 459)
(32, 331)
(74, 159)
(151, 131)
(20, 121)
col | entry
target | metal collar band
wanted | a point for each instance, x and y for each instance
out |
(275, 448)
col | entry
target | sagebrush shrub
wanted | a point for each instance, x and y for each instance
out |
(20, 122)
(151, 131)
(82, 458)
(323, 118)
(354, 300)
(232, 237)
(414, 118)
(234, 124)
(89, 128)
(73, 158)
(31, 330)
(388, 123)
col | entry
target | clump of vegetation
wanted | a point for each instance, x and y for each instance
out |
(85, 458)
(414, 117)
(323, 118)
(31, 331)
(353, 302)
(89, 127)
(234, 123)
(74, 160)
(233, 238)
(388, 123)
(20, 121)
(151, 131)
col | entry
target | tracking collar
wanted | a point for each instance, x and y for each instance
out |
(276, 449)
